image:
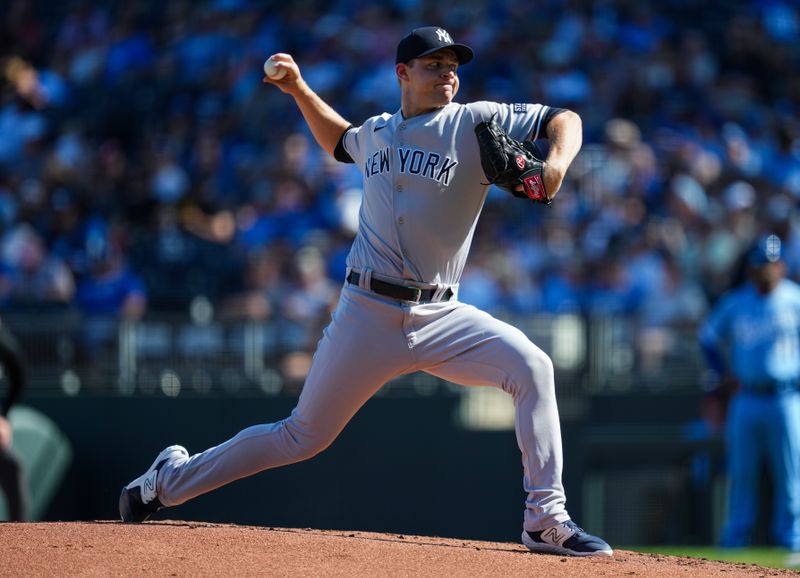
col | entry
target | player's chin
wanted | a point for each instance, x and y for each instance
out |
(444, 94)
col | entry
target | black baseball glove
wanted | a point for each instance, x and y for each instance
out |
(509, 163)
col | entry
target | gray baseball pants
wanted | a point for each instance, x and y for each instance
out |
(371, 340)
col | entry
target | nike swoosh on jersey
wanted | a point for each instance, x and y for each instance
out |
(377, 128)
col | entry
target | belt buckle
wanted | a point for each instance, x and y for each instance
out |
(417, 293)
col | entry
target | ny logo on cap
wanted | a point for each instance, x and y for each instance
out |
(443, 36)
(773, 248)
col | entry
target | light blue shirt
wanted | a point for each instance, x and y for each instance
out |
(762, 333)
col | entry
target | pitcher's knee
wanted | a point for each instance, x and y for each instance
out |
(303, 444)
(534, 373)
(538, 365)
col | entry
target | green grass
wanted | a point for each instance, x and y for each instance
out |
(770, 557)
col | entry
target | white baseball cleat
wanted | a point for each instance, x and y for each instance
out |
(567, 539)
(139, 499)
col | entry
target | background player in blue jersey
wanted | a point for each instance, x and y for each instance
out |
(752, 342)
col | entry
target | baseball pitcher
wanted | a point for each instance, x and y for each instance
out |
(426, 170)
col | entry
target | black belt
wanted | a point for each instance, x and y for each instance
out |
(403, 292)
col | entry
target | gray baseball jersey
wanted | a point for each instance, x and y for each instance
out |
(423, 187)
(423, 194)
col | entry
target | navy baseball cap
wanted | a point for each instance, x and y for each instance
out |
(767, 249)
(429, 39)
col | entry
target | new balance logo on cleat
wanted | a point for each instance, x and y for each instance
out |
(139, 499)
(149, 488)
(566, 539)
(554, 536)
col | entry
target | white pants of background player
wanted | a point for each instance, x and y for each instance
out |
(371, 340)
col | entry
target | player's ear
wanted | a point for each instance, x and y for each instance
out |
(401, 70)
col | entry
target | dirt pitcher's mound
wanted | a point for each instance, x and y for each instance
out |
(199, 549)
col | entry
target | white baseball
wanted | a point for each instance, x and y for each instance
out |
(272, 71)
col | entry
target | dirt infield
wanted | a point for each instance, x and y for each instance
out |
(173, 548)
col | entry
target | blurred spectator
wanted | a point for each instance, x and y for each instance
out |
(109, 294)
(39, 88)
(562, 288)
(264, 289)
(785, 169)
(610, 291)
(169, 182)
(309, 300)
(675, 302)
(32, 279)
(21, 128)
(479, 285)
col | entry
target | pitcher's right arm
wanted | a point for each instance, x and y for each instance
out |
(326, 124)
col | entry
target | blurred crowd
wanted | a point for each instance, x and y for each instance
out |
(143, 163)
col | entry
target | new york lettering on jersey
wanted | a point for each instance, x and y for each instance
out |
(377, 162)
(411, 161)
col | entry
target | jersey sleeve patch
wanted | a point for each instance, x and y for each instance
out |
(520, 107)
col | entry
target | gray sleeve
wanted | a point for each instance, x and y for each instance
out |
(358, 139)
(521, 121)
